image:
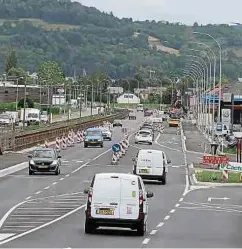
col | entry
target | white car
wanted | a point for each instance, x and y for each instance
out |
(151, 165)
(144, 136)
(107, 134)
(124, 204)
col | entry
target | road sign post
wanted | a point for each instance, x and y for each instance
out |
(116, 148)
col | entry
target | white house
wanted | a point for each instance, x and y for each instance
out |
(128, 98)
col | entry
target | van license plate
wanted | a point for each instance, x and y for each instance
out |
(105, 211)
(144, 171)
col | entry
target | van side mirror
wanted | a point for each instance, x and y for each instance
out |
(59, 156)
(86, 191)
(30, 156)
(168, 161)
(149, 194)
(133, 159)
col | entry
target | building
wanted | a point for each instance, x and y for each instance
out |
(115, 90)
(10, 92)
(128, 98)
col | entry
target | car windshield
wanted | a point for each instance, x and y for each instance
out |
(94, 133)
(105, 130)
(44, 154)
(144, 133)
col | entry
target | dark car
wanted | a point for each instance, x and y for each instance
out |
(148, 113)
(44, 160)
(117, 123)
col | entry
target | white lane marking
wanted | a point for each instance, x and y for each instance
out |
(62, 179)
(186, 190)
(167, 217)
(25, 222)
(145, 241)
(44, 225)
(34, 215)
(64, 161)
(156, 141)
(181, 199)
(177, 205)
(153, 232)
(27, 198)
(38, 192)
(175, 166)
(5, 235)
(19, 226)
(160, 224)
(9, 212)
(67, 175)
(54, 183)
(47, 187)
(173, 211)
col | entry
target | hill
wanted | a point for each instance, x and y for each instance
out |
(80, 37)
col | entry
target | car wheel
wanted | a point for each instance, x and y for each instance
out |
(150, 143)
(136, 142)
(101, 145)
(89, 228)
(31, 172)
(85, 145)
(141, 229)
(110, 139)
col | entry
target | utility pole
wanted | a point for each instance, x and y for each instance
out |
(24, 103)
(80, 94)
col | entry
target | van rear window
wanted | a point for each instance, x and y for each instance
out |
(107, 187)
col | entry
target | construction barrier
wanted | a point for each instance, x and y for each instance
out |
(225, 175)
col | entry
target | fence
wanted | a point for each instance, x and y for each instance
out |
(14, 141)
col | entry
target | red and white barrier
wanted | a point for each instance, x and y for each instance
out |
(64, 143)
(115, 158)
(70, 140)
(58, 143)
(225, 175)
(46, 145)
(80, 136)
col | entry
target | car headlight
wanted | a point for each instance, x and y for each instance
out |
(99, 140)
(31, 162)
(54, 163)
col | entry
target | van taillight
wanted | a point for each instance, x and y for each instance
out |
(89, 201)
(141, 205)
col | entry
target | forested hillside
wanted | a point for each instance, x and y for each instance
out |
(81, 37)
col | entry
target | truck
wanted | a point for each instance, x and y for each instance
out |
(173, 120)
(32, 115)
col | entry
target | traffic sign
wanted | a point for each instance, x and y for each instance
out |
(232, 166)
(116, 147)
(215, 159)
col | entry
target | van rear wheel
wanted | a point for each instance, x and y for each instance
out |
(141, 229)
(89, 228)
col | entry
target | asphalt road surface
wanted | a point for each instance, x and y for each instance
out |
(44, 211)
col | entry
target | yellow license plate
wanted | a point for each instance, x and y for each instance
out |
(144, 171)
(105, 211)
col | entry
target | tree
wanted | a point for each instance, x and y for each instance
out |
(51, 73)
(11, 61)
(29, 103)
(19, 73)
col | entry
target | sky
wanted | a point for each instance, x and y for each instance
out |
(184, 11)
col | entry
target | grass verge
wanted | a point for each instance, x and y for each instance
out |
(230, 150)
(213, 176)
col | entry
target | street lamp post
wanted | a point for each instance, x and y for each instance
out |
(220, 71)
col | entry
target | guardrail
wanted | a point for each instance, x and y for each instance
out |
(26, 139)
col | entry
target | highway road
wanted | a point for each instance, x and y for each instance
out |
(48, 211)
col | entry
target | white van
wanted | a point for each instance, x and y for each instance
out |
(117, 200)
(151, 165)
(140, 108)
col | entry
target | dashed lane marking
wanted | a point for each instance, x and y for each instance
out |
(153, 232)
(167, 217)
(54, 183)
(27, 198)
(181, 199)
(38, 192)
(146, 241)
(172, 211)
(177, 205)
(160, 224)
(62, 179)
(47, 187)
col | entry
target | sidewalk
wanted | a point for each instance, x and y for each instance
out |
(10, 159)
(74, 114)
(196, 141)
